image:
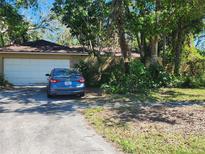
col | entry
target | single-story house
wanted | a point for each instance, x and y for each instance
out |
(28, 63)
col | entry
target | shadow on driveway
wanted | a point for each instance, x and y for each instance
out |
(34, 100)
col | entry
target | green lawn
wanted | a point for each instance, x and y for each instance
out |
(141, 128)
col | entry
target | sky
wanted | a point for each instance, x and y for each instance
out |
(34, 14)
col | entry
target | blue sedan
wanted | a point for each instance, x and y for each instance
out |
(62, 81)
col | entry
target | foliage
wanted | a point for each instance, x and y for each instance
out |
(89, 71)
(107, 73)
(139, 79)
(13, 27)
(3, 82)
(65, 38)
(84, 18)
(115, 82)
(97, 70)
(193, 66)
(155, 28)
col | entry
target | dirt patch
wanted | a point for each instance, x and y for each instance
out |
(189, 120)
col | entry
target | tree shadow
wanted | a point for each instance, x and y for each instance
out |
(128, 114)
(170, 94)
(34, 100)
(48, 109)
(3, 110)
(128, 108)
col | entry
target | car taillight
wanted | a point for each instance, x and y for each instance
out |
(81, 80)
(54, 81)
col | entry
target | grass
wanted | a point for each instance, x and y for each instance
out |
(146, 141)
(143, 129)
(178, 95)
(168, 95)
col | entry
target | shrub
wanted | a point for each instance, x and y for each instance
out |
(159, 77)
(139, 79)
(193, 68)
(112, 78)
(3, 82)
(116, 80)
(190, 82)
(98, 70)
(90, 72)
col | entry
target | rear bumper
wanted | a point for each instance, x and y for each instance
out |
(73, 91)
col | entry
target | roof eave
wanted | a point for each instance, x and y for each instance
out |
(40, 53)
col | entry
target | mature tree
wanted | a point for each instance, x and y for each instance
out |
(119, 14)
(158, 24)
(188, 18)
(90, 22)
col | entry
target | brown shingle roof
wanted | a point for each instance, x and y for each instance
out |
(42, 46)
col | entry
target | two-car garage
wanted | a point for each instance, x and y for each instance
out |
(28, 63)
(31, 71)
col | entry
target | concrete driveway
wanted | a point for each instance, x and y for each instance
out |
(32, 124)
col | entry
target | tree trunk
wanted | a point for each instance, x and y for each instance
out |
(154, 50)
(177, 47)
(124, 48)
(164, 51)
(155, 39)
(2, 43)
(119, 18)
(144, 52)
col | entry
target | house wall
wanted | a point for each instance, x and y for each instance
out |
(73, 58)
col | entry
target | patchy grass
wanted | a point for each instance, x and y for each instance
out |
(178, 94)
(170, 121)
(166, 95)
(147, 136)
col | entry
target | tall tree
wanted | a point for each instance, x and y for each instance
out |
(156, 20)
(119, 11)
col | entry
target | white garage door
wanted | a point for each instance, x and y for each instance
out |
(31, 71)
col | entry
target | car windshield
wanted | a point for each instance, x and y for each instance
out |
(62, 73)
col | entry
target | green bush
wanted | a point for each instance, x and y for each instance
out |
(98, 70)
(3, 82)
(112, 78)
(192, 68)
(90, 72)
(190, 82)
(139, 79)
(116, 80)
(159, 77)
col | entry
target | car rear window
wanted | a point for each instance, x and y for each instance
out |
(64, 73)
